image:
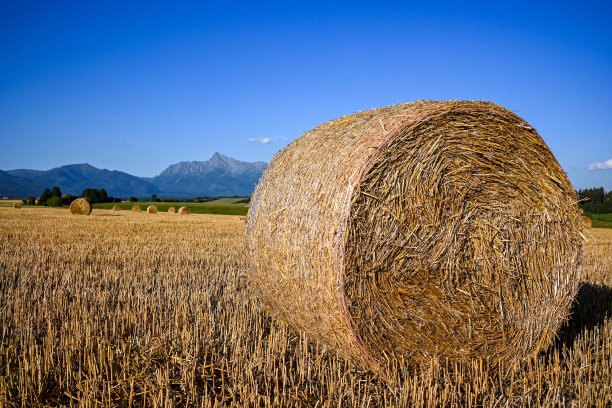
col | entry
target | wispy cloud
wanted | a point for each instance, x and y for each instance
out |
(601, 165)
(262, 140)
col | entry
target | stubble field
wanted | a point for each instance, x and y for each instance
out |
(135, 309)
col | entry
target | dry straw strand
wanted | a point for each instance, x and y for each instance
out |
(152, 209)
(184, 211)
(17, 205)
(171, 210)
(116, 208)
(80, 206)
(136, 208)
(450, 232)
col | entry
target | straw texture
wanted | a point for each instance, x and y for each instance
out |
(152, 209)
(80, 206)
(432, 229)
(136, 208)
(116, 208)
(171, 210)
(184, 211)
(16, 205)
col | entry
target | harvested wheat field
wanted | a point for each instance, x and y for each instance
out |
(101, 311)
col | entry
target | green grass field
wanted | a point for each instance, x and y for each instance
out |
(225, 206)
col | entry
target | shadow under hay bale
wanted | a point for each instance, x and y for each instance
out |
(184, 211)
(152, 209)
(171, 210)
(592, 306)
(80, 206)
(136, 208)
(431, 229)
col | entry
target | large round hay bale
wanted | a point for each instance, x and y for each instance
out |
(421, 230)
(171, 210)
(116, 208)
(17, 204)
(136, 208)
(587, 221)
(80, 206)
(152, 209)
(184, 211)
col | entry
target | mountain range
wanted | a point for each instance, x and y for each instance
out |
(216, 177)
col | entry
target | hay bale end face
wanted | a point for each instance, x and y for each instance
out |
(152, 209)
(171, 210)
(184, 211)
(136, 208)
(80, 206)
(17, 205)
(116, 208)
(588, 223)
(415, 231)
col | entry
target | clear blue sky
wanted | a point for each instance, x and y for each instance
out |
(138, 86)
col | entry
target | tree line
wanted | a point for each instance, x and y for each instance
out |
(55, 198)
(595, 200)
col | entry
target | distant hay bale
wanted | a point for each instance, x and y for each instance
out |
(587, 221)
(171, 210)
(421, 230)
(152, 209)
(136, 208)
(116, 208)
(17, 205)
(184, 211)
(80, 206)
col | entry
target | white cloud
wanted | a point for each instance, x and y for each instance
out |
(601, 165)
(262, 140)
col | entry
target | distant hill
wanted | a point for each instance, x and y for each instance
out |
(13, 186)
(75, 178)
(219, 176)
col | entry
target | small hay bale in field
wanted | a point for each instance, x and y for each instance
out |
(116, 208)
(136, 208)
(152, 209)
(171, 210)
(17, 205)
(184, 211)
(80, 206)
(429, 229)
(587, 221)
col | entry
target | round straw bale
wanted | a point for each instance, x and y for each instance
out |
(152, 209)
(17, 204)
(171, 210)
(80, 206)
(184, 211)
(588, 223)
(136, 208)
(431, 229)
(116, 208)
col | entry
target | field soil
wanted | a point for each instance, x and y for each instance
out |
(121, 309)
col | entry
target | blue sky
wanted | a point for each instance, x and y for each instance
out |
(137, 86)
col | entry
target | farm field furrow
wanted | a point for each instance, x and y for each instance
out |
(134, 309)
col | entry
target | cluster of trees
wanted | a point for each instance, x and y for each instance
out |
(55, 198)
(156, 199)
(595, 200)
